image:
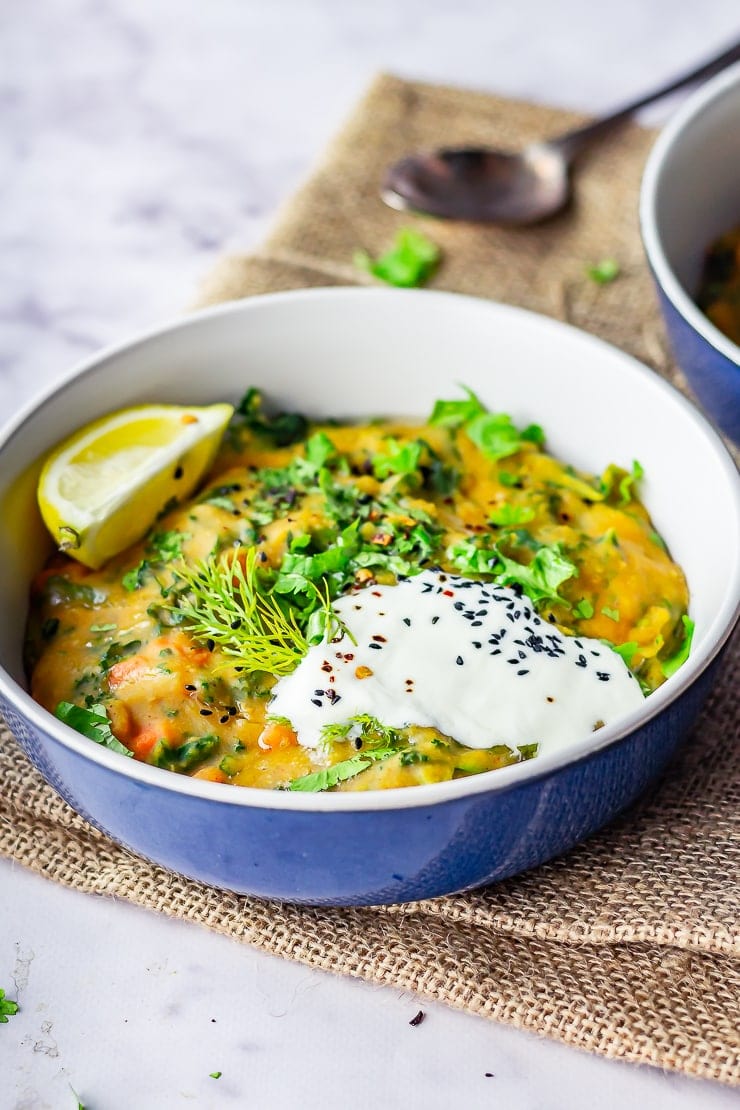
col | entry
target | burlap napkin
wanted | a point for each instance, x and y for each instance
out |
(628, 946)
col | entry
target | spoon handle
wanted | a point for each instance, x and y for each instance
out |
(573, 142)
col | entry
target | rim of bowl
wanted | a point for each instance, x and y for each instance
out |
(671, 134)
(430, 794)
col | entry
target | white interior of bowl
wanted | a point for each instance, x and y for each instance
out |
(356, 353)
(691, 195)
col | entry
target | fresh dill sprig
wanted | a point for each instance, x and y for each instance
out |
(223, 603)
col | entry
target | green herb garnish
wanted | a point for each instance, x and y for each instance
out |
(339, 772)
(584, 610)
(283, 429)
(604, 271)
(410, 262)
(451, 414)
(92, 722)
(612, 614)
(670, 666)
(541, 577)
(8, 1008)
(507, 515)
(116, 652)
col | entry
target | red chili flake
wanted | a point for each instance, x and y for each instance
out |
(349, 657)
(326, 665)
(376, 593)
(448, 593)
(418, 1018)
(382, 539)
(380, 639)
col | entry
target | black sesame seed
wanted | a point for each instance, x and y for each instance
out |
(407, 622)
(210, 644)
(459, 660)
(522, 672)
(377, 647)
(434, 620)
(223, 720)
(189, 686)
(178, 473)
(316, 702)
(235, 624)
(206, 712)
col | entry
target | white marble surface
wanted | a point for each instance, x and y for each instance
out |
(139, 139)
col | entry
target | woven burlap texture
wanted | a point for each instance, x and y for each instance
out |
(629, 945)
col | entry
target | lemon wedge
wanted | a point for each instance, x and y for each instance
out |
(103, 488)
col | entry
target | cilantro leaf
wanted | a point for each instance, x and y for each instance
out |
(506, 515)
(283, 429)
(92, 722)
(412, 259)
(541, 577)
(627, 651)
(670, 666)
(7, 1008)
(402, 458)
(584, 610)
(116, 652)
(339, 772)
(471, 559)
(497, 437)
(612, 614)
(604, 271)
(165, 547)
(135, 578)
(451, 414)
(320, 450)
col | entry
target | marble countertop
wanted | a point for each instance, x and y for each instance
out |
(141, 139)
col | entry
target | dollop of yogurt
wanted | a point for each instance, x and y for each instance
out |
(468, 658)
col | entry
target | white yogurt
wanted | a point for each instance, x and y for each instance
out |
(468, 658)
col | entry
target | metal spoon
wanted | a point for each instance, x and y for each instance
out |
(507, 188)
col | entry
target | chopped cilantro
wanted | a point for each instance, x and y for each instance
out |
(135, 578)
(339, 772)
(402, 458)
(320, 450)
(627, 651)
(92, 722)
(185, 756)
(103, 627)
(612, 614)
(49, 628)
(165, 547)
(507, 514)
(410, 262)
(670, 666)
(8, 1008)
(604, 271)
(215, 1074)
(451, 414)
(115, 652)
(497, 437)
(541, 577)
(283, 429)
(584, 610)
(511, 481)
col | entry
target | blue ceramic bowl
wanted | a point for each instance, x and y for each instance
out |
(352, 353)
(690, 196)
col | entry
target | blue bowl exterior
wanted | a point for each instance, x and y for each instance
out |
(372, 857)
(714, 378)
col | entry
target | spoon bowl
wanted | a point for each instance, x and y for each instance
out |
(491, 185)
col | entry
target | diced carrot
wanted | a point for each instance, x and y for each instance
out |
(210, 774)
(125, 670)
(143, 741)
(277, 735)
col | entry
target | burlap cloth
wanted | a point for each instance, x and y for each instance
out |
(628, 946)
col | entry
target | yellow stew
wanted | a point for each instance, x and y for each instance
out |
(719, 294)
(147, 652)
